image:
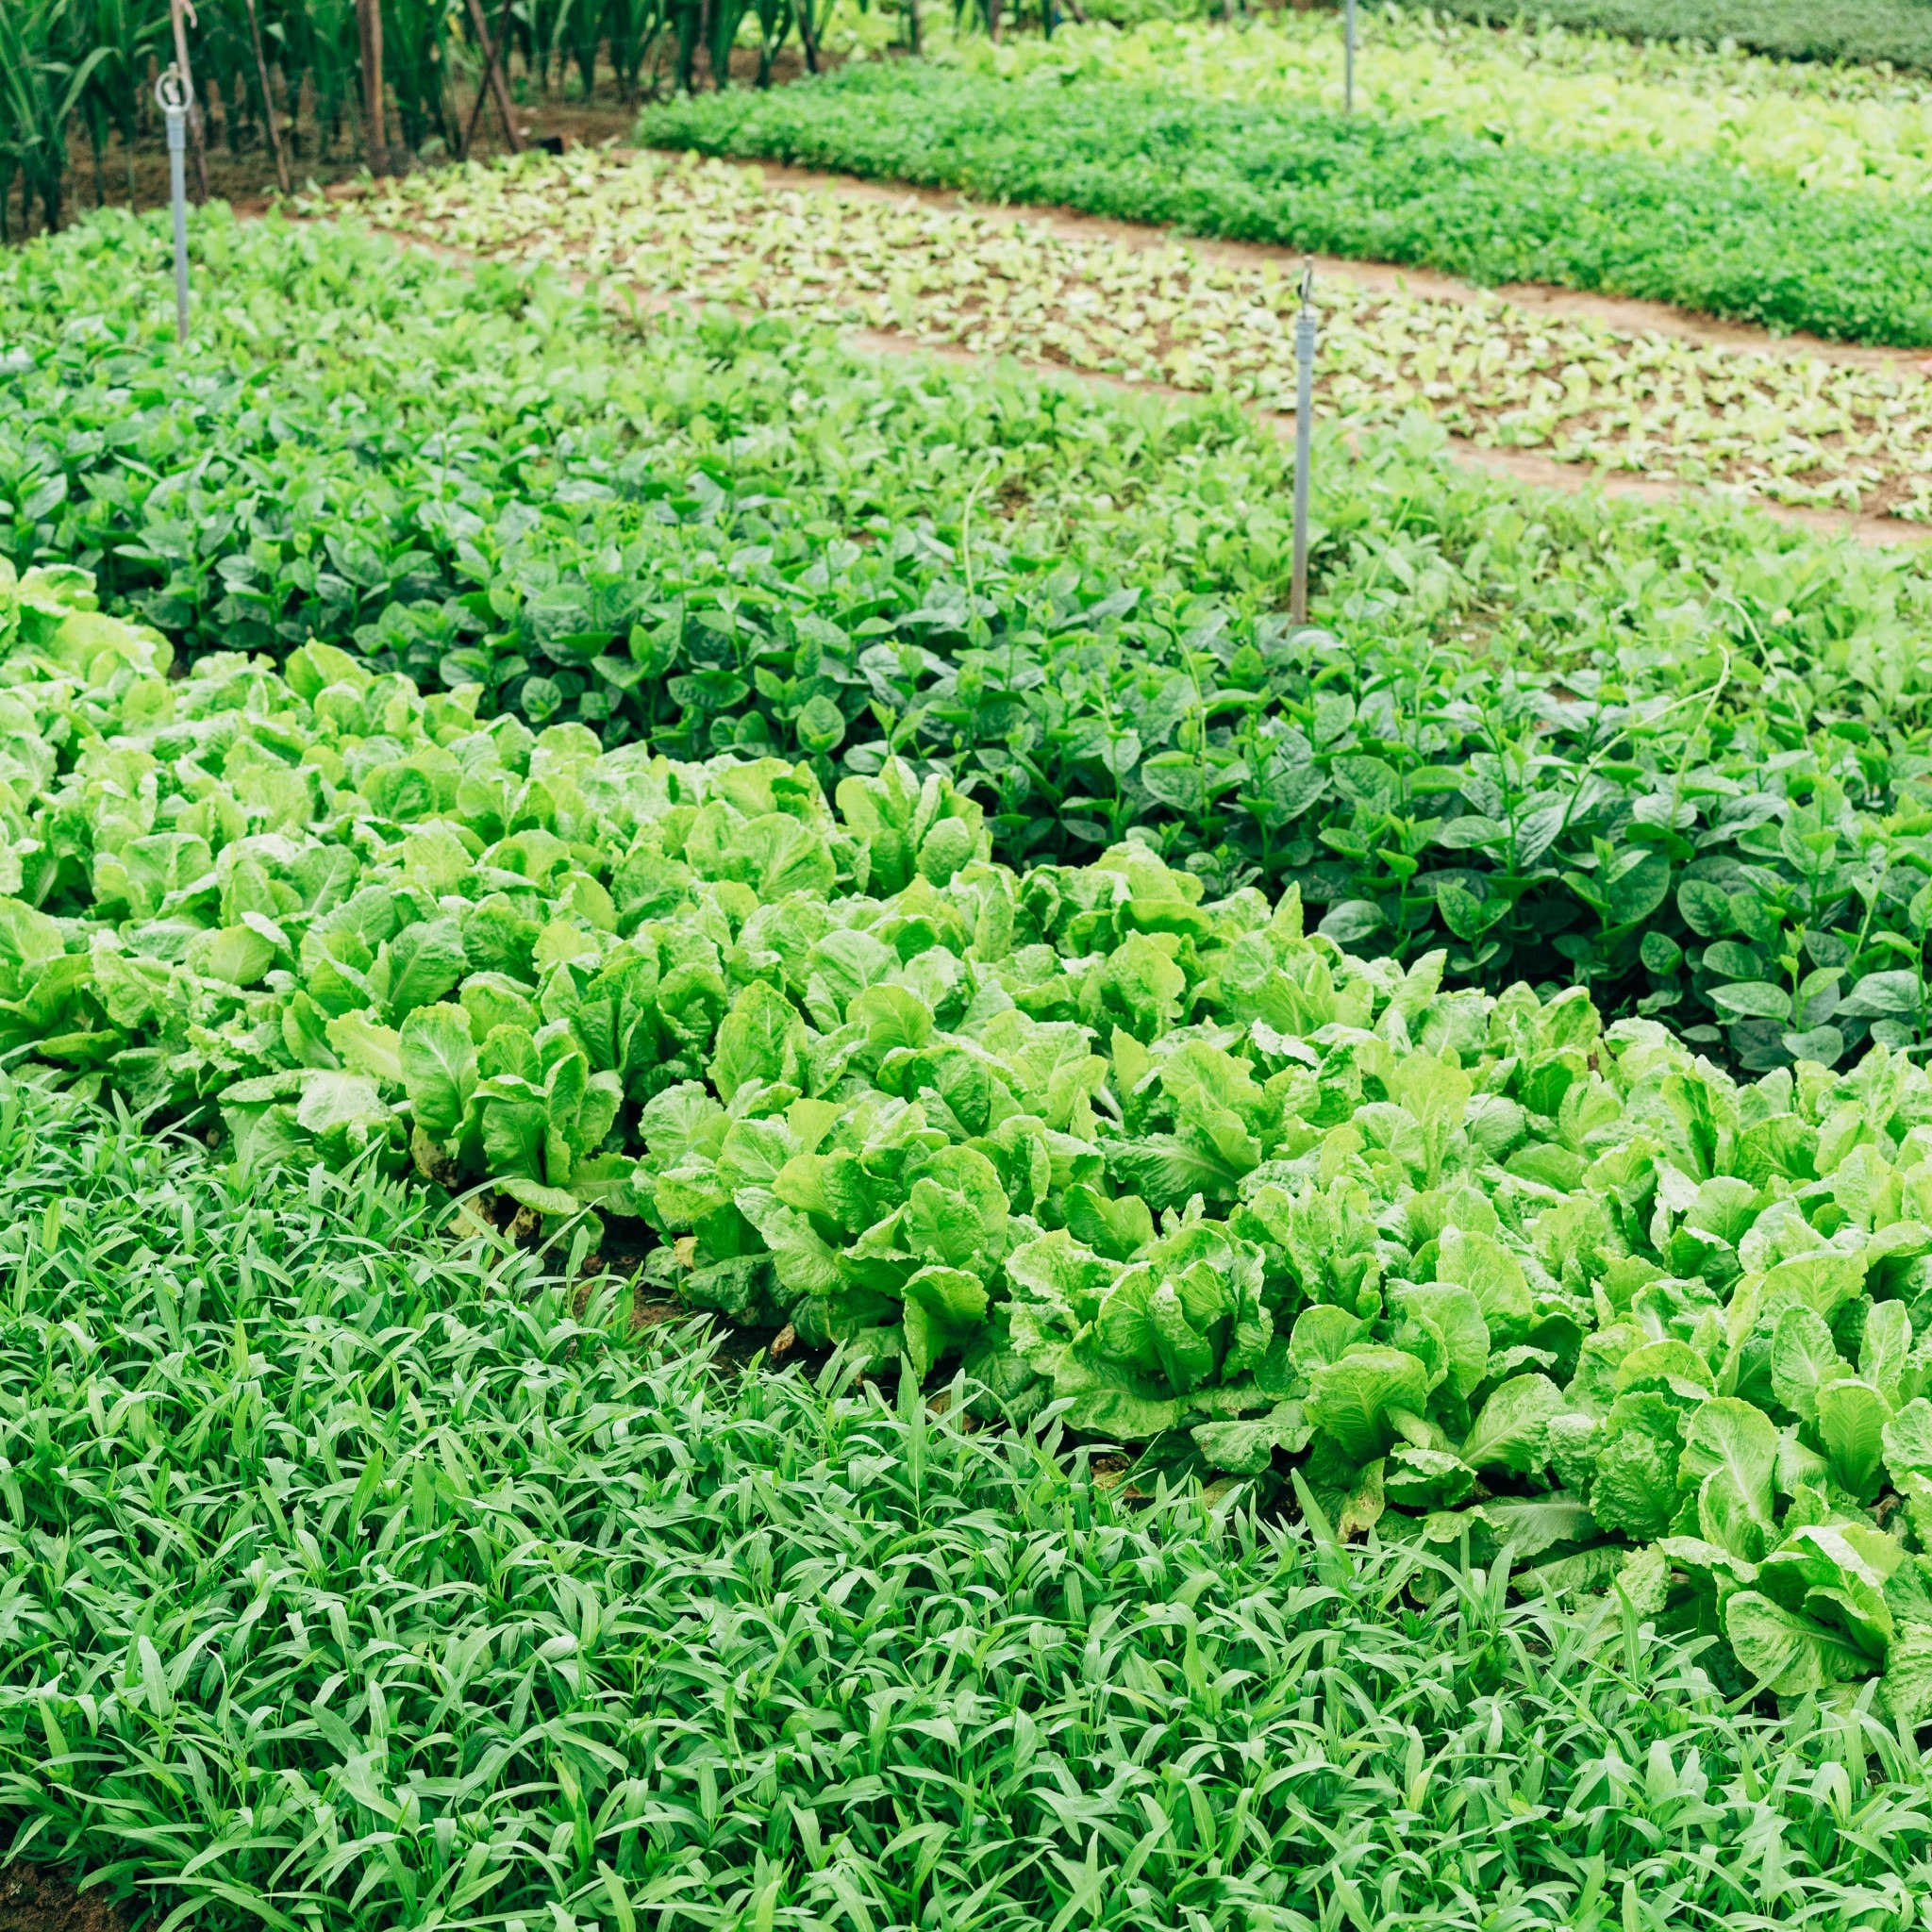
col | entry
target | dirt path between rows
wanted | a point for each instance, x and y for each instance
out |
(1520, 466)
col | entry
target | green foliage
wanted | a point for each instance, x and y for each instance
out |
(46, 60)
(1696, 235)
(1782, 425)
(92, 58)
(1675, 756)
(1542, 85)
(487, 1609)
(1156, 1159)
(1897, 31)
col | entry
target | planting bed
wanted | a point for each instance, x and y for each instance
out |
(360, 1573)
(1348, 1206)
(1785, 425)
(1890, 31)
(1833, 126)
(1849, 265)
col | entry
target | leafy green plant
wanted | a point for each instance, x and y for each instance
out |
(1541, 86)
(1698, 234)
(1574, 742)
(1895, 32)
(1154, 1157)
(592, 1621)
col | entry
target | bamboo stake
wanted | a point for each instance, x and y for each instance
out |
(268, 106)
(368, 31)
(494, 80)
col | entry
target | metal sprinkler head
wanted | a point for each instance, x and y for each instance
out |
(173, 95)
(176, 96)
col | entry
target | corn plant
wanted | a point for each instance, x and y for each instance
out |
(45, 66)
(125, 33)
(634, 30)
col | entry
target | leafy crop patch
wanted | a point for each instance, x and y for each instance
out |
(1673, 756)
(357, 1572)
(1893, 32)
(1536, 85)
(1488, 1272)
(1841, 264)
(1787, 428)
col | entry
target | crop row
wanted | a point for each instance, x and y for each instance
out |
(487, 1607)
(1693, 233)
(1538, 87)
(1786, 427)
(1880, 31)
(1672, 757)
(1206, 1183)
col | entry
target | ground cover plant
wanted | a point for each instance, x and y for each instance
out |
(1538, 85)
(1846, 265)
(1115, 1144)
(1785, 426)
(1894, 31)
(363, 1571)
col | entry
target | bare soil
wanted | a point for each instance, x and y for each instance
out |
(36, 1898)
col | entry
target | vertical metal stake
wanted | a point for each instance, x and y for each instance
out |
(1304, 424)
(1348, 57)
(176, 97)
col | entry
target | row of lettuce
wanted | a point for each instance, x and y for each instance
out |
(1480, 1268)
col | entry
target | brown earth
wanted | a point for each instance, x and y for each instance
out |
(36, 1898)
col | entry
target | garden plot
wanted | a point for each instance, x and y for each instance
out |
(1817, 124)
(1791, 428)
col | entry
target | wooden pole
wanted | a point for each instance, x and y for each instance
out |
(494, 80)
(369, 29)
(267, 105)
(176, 10)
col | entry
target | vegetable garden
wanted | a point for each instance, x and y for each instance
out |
(766, 1166)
